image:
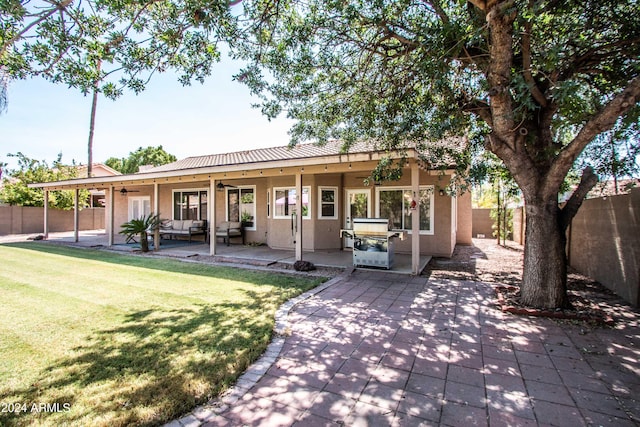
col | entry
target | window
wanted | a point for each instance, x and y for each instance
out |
(190, 204)
(285, 202)
(241, 206)
(395, 204)
(328, 203)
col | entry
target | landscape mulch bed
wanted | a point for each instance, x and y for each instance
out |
(488, 262)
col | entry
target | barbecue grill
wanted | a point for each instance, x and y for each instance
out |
(373, 242)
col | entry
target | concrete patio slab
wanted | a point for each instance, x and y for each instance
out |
(398, 351)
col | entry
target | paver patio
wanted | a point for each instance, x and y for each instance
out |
(377, 349)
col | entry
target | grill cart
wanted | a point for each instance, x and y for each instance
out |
(373, 242)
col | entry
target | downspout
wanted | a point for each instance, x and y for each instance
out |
(299, 215)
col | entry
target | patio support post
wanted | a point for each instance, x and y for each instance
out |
(415, 220)
(76, 214)
(156, 208)
(110, 215)
(46, 214)
(212, 216)
(298, 234)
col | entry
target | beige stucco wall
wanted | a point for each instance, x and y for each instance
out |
(27, 219)
(319, 234)
(465, 220)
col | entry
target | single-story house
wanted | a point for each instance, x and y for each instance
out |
(261, 189)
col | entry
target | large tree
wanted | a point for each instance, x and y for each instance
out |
(112, 44)
(15, 189)
(154, 156)
(540, 79)
(109, 45)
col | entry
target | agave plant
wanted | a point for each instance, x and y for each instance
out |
(141, 227)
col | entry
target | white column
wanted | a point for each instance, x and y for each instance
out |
(212, 217)
(46, 214)
(415, 220)
(76, 214)
(110, 215)
(156, 211)
(298, 217)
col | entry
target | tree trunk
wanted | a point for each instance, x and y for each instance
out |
(92, 125)
(144, 242)
(544, 280)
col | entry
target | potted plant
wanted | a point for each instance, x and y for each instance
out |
(246, 219)
(141, 227)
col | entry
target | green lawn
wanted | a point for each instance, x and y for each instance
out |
(121, 340)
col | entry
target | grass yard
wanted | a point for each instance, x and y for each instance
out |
(90, 337)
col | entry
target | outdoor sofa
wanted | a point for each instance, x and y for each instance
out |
(185, 228)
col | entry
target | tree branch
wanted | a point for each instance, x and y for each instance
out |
(588, 180)
(526, 66)
(600, 122)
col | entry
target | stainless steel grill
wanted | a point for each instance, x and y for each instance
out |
(373, 242)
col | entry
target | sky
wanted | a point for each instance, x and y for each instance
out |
(44, 119)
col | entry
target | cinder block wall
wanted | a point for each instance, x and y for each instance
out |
(604, 243)
(482, 223)
(28, 219)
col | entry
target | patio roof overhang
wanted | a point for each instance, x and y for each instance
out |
(348, 162)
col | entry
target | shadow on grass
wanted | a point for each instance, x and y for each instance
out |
(153, 367)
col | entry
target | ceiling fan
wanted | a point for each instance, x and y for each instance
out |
(220, 186)
(124, 191)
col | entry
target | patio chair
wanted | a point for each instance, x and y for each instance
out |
(228, 229)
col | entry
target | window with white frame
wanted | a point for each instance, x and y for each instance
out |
(190, 204)
(284, 202)
(241, 206)
(394, 203)
(327, 203)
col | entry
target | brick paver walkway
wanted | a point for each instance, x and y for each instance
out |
(378, 349)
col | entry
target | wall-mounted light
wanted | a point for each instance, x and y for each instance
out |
(219, 186)
(441, 192)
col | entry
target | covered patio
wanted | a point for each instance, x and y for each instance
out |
(241, 254)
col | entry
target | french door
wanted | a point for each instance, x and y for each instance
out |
(357, 205)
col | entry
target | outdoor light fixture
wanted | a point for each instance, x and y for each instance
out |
(123, 192)
(220, 186)
(441, 192)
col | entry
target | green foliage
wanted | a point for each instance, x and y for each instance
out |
(400, 71)
(141, 227)
(15, 190)
(116, 45)
(615, 153)
(155, 156)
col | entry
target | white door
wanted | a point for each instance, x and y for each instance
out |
(357, 205)
(139, 207)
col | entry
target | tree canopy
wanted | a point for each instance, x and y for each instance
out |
(15, 190)
(154, 156)
(536, 80)
(116, 44)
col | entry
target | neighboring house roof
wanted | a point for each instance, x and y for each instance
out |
(98, 169)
